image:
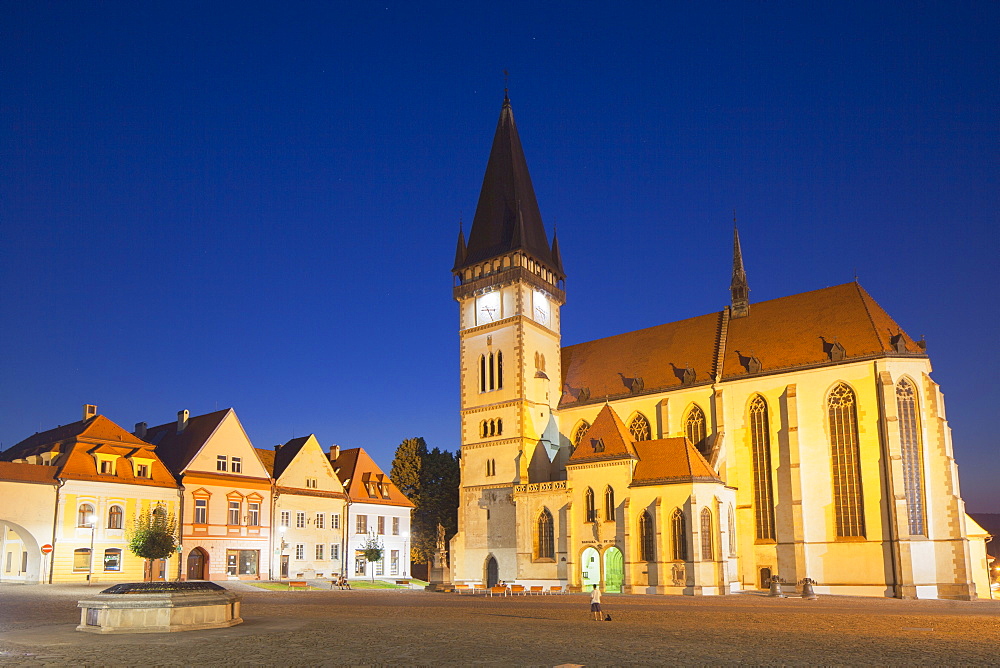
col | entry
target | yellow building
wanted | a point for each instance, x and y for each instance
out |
(102, 477)
(801, 437)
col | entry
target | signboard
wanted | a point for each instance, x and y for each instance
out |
(46, 549)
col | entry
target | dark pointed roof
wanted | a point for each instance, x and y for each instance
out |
(507, 216)
(607, 438)
(739, 289)
(556, 257)
(460, 250)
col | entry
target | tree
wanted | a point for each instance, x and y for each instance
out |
(373, 550)
(153, 535)
(430, 480)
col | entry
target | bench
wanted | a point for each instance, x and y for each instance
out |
(498, 590)
(298, 584)
(517, 589)
(536, 589)
(556, 589)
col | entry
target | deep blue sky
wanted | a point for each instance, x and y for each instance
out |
(255, 205)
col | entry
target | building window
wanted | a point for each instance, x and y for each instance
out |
(639, 428)
(360, 563)
(242, 562)
(609, 504)
(380, 566)
(107, 466)
(335, 521)
(381, 525)
(334, 551)
(912, 457)
(112, 559)
(85, 516)
(482, 373)
(237, 465)
(707, 553)
(395, 526)
(647, 537)
(253, 510)
(696, 430)
(546, 547)
(319, 551)
(678, 537)
(394, 562)
(362, 524)
(221, 463)
(115, 517)
(141, 470)
(81, 559)
(847, 500)
(320, 520)
(760, 451)
(201, 511)
(286, 518)
(491, 372)
(591, 511)
(234, 513)
(312, 483)
(300, 520)
(580, 431)
(491, 468)
(300, 551)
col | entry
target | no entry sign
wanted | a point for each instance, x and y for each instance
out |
(46, 548)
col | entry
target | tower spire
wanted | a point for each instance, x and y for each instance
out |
(738, 288)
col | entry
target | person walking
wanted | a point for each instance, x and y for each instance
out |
(595, 603)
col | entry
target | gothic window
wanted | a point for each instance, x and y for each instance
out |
(493, 378)
(482, 373)
(491, 467)
(846, 459)
(694, 428)
(609, 504)
(707, 553)
(491, 372)
(499, 426)
(591, 510)
(678, 535)
(647, 551)
(84, 515)
(546, 548)
(639, 428)
(115, 515)
(499, 370)
(580, 431)
(911, 448)
(493, 428)
(760, 450)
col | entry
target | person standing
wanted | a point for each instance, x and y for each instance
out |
(595, 603)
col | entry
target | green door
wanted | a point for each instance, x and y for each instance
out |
(614, 570)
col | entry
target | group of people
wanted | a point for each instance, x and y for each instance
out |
(341, 583)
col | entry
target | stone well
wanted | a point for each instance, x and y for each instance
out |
(159, 607)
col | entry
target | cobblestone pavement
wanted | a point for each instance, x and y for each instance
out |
(412, 627)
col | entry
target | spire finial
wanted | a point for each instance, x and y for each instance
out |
(506, 85)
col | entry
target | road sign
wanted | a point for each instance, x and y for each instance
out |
(46, 548)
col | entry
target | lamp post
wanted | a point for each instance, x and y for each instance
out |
(281, 561)
(92, 520)
(406, 553)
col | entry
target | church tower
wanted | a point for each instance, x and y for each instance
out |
(509, 286)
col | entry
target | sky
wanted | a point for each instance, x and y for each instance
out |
(255, 205)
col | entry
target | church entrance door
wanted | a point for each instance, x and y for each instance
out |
(590, 568)
(614, 570)
(492, 572)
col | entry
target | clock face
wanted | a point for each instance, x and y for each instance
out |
(488, 308)
(542, 310)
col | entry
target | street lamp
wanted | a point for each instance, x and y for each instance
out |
(92, 521)
(406, 553)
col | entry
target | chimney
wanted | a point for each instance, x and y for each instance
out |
(89, 411)
(334, 452)
(277, 447)
(182, 421)
(140, 429)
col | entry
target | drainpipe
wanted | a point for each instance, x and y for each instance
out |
(55, 523)
(343, 534)
(180, 527)
(270, 533)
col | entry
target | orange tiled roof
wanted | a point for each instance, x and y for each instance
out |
(354, 468)
(28, 472)
(782, 333)
(607, 438)
(670, 460)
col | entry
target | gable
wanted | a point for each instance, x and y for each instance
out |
(228, 440)
(310, 463)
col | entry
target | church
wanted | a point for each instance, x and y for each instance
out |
(800, 437)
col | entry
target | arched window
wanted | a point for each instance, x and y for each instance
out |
(609, 504)
(580, 431)
(639, 428)
(846, 456)
(546, 536)
(589, 503)
(482, 373)
(493, 428)
(115, 517)
(707, 553)
(912, 456)
(499, 370)
(695, 429)
(491, 467)
(484, 429)
(678, 535)
(760, 451)
(84, 515)
(160, 513)
(493, 379)
(499, 427)
(647, 538)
